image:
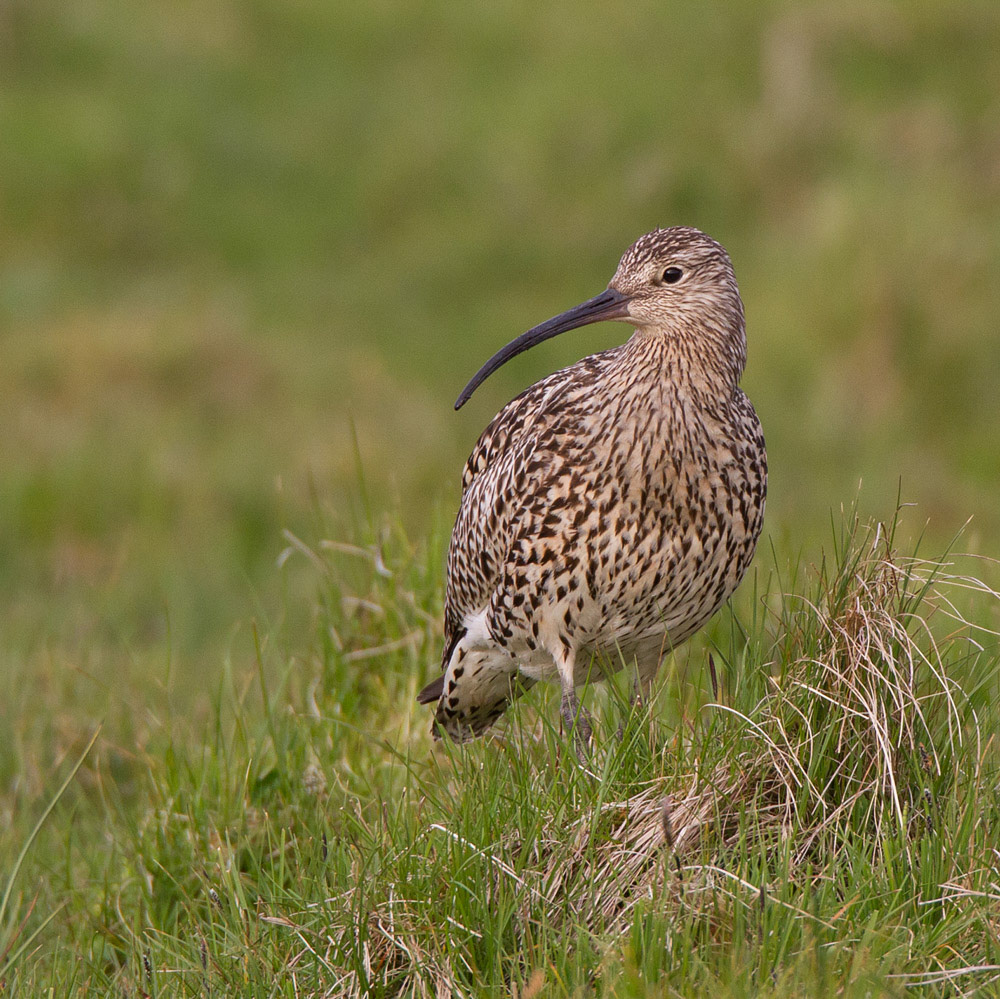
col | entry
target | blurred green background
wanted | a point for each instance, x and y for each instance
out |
(250, 251)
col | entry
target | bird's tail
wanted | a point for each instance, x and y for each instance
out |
(475, 690)
(432, 691)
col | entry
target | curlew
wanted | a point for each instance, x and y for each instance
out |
(610, 509)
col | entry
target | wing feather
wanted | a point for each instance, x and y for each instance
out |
(493, 482)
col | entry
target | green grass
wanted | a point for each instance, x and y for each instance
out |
(251, 250)
(831, 815)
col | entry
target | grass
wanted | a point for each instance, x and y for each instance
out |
(826, 823)
(251, 251)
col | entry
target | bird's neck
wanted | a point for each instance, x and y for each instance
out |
(709, 362)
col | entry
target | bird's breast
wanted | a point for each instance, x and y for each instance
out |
(657, 524)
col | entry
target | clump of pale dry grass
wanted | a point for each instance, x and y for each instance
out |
(860, 717)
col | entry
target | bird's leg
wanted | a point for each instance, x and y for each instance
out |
(574, 715)
(638, 688)
(642, 689)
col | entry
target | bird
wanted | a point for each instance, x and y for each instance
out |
(611, 508)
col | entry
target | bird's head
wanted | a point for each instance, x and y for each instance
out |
(674, 282)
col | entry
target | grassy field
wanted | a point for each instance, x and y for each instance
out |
(250, 252)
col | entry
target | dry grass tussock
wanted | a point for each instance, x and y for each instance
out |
(861, 717)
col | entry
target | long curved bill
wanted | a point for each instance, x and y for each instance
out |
(610, 304)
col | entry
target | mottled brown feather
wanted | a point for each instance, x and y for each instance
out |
(613, 506)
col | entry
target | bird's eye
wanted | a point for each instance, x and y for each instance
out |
(672, 275)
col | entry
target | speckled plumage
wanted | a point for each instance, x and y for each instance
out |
(610, 509)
